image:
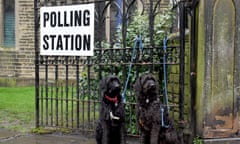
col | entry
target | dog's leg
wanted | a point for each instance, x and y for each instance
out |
(105, 137)
(123, 134)
(155, 134)
(99, 133)
(144, 137)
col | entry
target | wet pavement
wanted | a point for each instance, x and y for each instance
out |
(8, 137)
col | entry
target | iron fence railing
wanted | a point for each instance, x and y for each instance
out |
(67, 93)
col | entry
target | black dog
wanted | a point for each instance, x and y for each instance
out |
(153, 119)
(111, 125)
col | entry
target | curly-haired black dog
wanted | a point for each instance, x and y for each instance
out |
(155, 126)
(111, 125)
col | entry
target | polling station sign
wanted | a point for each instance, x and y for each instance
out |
(67, 30)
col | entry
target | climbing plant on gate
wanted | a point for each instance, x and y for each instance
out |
(137, 25)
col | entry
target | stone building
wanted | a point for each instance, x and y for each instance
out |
(16, 41)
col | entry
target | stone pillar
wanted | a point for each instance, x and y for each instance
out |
(218, 68)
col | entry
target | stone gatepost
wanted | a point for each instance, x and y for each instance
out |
(218, 69)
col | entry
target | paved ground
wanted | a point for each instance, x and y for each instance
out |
(7, 137)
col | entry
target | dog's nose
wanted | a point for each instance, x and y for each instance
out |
(152, 86)
(116, 86)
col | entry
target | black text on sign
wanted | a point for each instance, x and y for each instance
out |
(67, 30)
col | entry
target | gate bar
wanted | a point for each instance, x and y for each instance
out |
(36, 45)
(193, 57)
(182, 59)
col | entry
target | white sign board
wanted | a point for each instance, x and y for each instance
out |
(67, 30)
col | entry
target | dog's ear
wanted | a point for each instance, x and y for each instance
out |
(137, 85)
(103, 84)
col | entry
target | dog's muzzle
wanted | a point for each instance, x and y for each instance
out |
(152, 86)
(115, 89)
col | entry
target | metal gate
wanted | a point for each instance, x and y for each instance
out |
(67, 94)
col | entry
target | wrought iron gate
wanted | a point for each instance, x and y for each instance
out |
(67, 86)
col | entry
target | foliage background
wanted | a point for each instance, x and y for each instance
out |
(138, 25)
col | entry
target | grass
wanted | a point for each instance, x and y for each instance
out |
(17, 105)
(17, 110)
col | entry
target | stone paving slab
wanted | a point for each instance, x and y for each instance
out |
(4, 134)
(48, 139)
(8, 137)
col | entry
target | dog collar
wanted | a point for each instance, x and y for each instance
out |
(114, 100)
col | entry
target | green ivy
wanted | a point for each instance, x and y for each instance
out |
(197, 140)
(139, 25)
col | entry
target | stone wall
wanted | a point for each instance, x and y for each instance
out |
(8, 64)
(25, 38)
(18, 62)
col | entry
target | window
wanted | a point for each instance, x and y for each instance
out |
(8, 24)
